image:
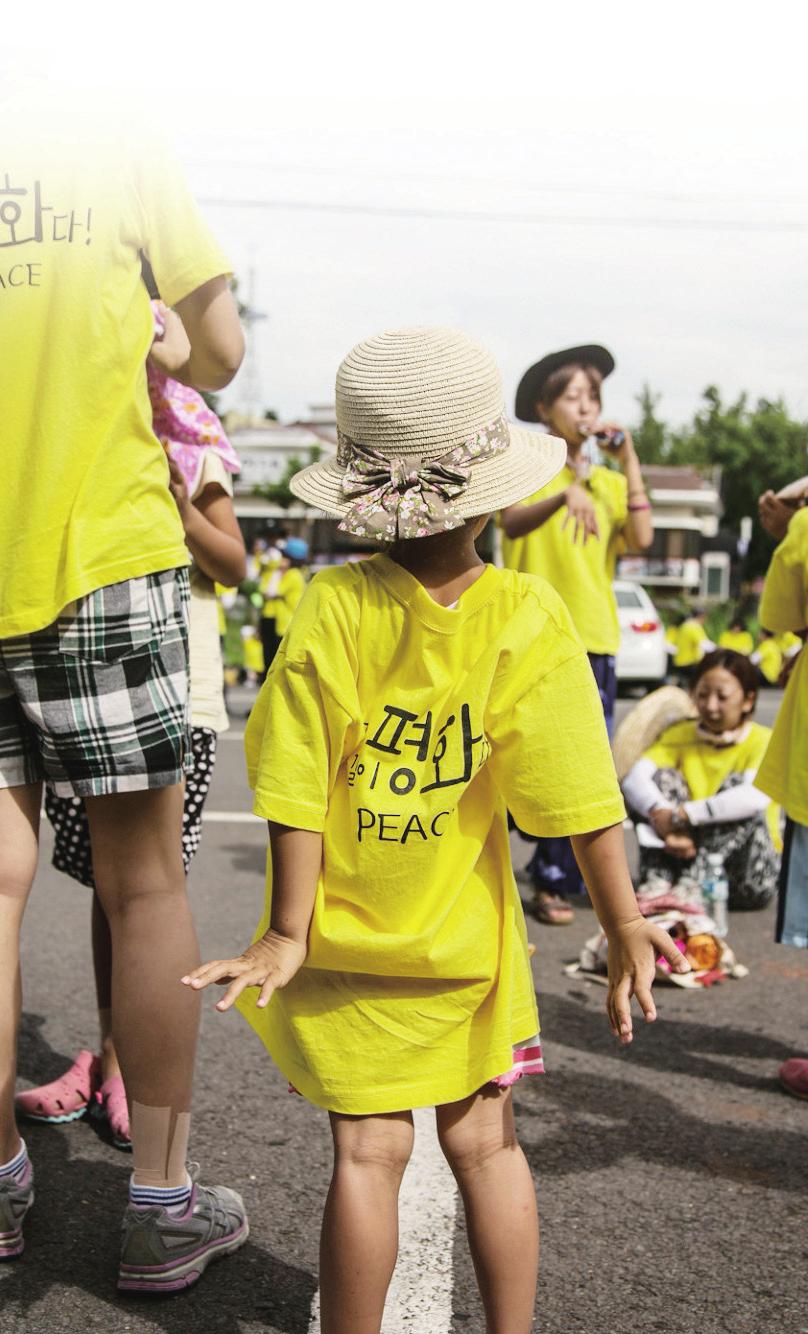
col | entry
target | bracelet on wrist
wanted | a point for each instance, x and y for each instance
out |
(632, 509)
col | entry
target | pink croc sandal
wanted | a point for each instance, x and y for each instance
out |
(66, 1098)
(110, 1104)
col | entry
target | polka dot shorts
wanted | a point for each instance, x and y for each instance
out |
(71, 848)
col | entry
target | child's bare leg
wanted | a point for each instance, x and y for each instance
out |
(359, 1240)
(19, 831)
(478, 1138)
(102, 966)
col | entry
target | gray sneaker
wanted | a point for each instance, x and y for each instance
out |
(16, 1198)
(163, 1253)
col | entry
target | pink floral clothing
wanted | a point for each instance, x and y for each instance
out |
(184, 424)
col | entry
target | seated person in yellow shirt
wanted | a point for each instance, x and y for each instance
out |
(693, 794)
(737, 637)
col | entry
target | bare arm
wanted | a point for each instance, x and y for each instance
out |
(214, 538)
(210, 317)
(273, 960)
(639, 529)
(212, 532)
(634, 943)
(519, 520)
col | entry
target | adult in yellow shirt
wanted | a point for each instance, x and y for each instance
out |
(93, 617)
(784, 771)
(737, 637)
(571, 533)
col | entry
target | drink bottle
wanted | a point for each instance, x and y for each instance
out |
(716, 893)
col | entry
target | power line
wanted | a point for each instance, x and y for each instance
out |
(480, 215)
(735, 199)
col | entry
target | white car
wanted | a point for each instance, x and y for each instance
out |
(642, 655)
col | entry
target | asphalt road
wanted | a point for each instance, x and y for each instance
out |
(672, 1176)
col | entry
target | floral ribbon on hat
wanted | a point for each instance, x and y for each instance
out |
(408, 495)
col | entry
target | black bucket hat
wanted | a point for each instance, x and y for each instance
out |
(534, 379)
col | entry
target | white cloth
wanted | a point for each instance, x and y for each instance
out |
(741, 802)
(207, 675)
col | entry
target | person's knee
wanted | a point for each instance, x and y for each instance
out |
(374, 1145)
(124, 887)
(470, 1147)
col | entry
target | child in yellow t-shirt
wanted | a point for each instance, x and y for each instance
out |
(768, 658)
(416, 698)
(571, 532)
(737, 637)
(282, 588)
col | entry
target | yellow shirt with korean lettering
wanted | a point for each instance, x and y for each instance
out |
(783, 774)
(581, 572)
(404, 731)
(84, 499)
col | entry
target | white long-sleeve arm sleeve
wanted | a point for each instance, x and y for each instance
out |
(737, 803)
(640, 790)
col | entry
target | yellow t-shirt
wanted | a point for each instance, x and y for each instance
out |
(85, 500)
(281, 603)
(582, 575)
(783, 774)
(771, 660)
(703, 766)
(787, 642)
(739, 640)
(404, 731)
(689, 639)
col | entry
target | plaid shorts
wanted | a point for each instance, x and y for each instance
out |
(97, 702)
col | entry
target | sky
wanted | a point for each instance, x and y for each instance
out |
(633, 176)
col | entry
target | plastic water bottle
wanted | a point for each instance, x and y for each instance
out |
(716, 892)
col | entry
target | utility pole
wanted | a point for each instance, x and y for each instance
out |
(250, 379)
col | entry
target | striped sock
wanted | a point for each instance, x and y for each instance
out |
(174, 1199)
(16, 1168)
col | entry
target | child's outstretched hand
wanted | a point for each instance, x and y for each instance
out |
(634, 947)
(268, 963)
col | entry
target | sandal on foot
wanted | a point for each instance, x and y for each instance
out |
(552, 909)
(110, 1105)
(794, 1077)
(66, 1098)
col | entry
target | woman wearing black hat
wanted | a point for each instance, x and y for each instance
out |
(571, 532)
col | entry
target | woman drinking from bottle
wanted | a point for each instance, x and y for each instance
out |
(572, 532)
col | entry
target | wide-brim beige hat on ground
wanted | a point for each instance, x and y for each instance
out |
(423, 441)
(646, 722)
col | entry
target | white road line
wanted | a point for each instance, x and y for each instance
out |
(231, 817)
(420, 1296)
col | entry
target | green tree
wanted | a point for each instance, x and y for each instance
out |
(651, 435)
(756, 447)
(280, 493)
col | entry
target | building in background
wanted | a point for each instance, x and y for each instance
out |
(689, 555)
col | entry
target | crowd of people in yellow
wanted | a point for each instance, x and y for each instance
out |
(416, 705)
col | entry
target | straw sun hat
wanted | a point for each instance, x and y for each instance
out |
(423, 442)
